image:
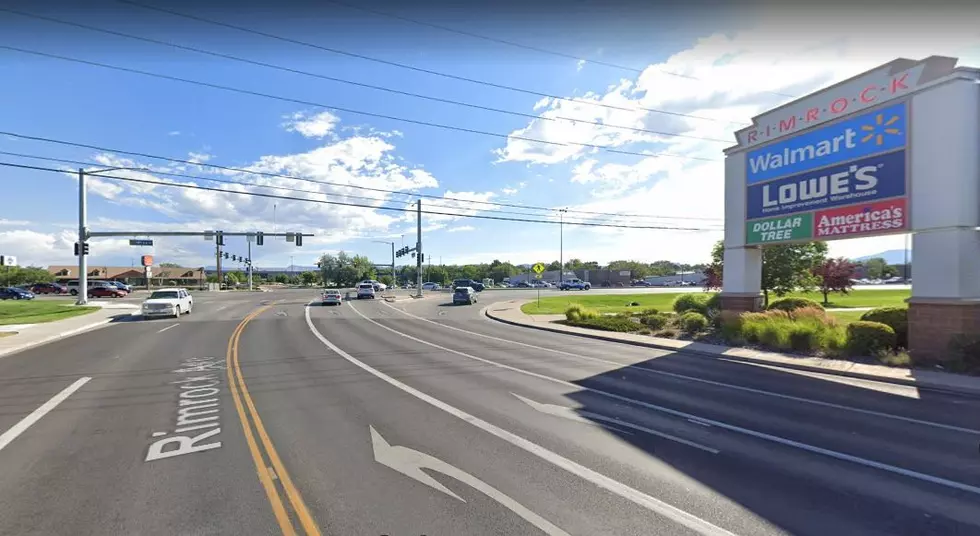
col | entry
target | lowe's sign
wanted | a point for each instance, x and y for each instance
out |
(881, 131)
(860, 181)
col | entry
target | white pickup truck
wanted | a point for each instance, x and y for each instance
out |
(575, 284)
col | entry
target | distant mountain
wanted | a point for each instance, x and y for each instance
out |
(892, 256)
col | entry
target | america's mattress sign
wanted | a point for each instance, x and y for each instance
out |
(868, 179)
(875, 132)
(871, 218)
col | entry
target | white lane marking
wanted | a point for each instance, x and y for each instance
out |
(36, 415)
(168, 327)
(684, 518)
(709, 382)
(589, 417)
(222, 308)
(410, 463)
(684, 415)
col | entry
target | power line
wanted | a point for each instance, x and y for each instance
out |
(419, 69)
(522, 45)
(348, 110)
(351, 82)
(358, 205)
(273, 187)
(315, 181)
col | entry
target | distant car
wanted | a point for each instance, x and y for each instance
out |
(48, 288)
(121, 286)
(377, 285)
(365, 290)
(105, 291)
(575, 284)
(475, 285)
(431, 286)
(331, 297)
(14, 293)
(464, 295)
(167, 302)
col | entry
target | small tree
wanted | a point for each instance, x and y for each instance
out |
(282, 278)
(835, 276)
(309, 278)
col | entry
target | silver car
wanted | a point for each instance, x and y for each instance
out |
(365, 290)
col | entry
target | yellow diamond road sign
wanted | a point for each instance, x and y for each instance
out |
(538, 268)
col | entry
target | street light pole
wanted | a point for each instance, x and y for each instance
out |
(561, 244)
(394, 279)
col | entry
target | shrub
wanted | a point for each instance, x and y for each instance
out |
(576, 312)
(806, 330)
(899, 358)
(868, 338)
(693, 322)
(791, 304)
(730, 327)
(714, 302)
(965, 354)
(691, 302)
(606, 323)
(896, 318)
(655, 321)
(649, 311)
(668, 333)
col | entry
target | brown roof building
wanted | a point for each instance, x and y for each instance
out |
(133, 275)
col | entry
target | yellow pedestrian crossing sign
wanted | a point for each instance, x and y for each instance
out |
(538, 268)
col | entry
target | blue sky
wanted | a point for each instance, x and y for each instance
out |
(91, 105)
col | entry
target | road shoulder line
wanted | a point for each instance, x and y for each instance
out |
(7, 437)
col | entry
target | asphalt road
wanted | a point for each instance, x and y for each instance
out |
(258, 414)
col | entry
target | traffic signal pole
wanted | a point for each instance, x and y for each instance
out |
(82, 224)
(418, 252)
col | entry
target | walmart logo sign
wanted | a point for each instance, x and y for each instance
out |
(876, 132)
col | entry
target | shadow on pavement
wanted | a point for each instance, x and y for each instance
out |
(800, 491)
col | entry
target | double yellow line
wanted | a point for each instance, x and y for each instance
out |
(268, 475)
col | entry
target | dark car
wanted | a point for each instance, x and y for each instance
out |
(14, 293)
(475, 285)
(105, 291)
(464, 295)
(48, 288)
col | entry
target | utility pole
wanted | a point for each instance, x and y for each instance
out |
(249, 241)
(82, 231)
(394, 277)
(561, 244)
(418, 250)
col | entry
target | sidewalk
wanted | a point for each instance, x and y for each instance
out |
(31, 335)
(510, 313)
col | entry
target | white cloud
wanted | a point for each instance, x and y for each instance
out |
(725, 81)
(312, 126)
(460, 229)
(579, 64)
(508, 191)
(198, 158)
(173, 133)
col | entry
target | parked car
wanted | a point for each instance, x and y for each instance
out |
(331, 297)
(121, 286)
(73, 285)
(464, 295)
(365, 290)
(475, 285)
(575, 284)
(431, 286)
(167, 302)
(48, 288)
(105, 290)
(14, 293)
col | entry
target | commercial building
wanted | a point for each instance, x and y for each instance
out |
(159, 276)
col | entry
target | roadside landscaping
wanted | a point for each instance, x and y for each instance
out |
(618, 303)
(793, 325)
(37, 312)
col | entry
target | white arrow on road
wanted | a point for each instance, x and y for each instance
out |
(411, 462)
(589, 418)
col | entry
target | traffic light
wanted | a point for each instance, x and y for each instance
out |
(259, 238)
(422, 258)
(226, 254)
(299, 239)
(76, 249)
(234, 258)
(84, 248)
(219, 238)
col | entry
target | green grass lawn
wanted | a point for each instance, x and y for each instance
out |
(36, 312)
(614, 303)
(846, 317)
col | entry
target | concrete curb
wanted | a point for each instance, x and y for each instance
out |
(919, 384)
(63, 335)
